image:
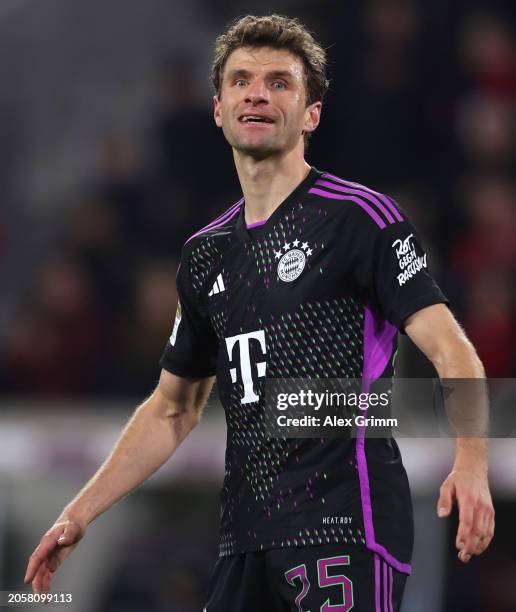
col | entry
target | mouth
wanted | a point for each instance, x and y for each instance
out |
(254, 119)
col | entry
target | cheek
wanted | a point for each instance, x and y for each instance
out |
(297, 115)
(296, 108)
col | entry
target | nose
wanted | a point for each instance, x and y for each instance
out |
(257, 92)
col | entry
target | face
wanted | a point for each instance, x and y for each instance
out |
(262, 104)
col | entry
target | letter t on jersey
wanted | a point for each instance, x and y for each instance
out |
(244, 341)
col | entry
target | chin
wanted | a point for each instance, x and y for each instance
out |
(258, 150)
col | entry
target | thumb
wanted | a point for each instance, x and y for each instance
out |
(69, 535)
(444, 504)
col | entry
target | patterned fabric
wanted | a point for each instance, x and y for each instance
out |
(312, 293)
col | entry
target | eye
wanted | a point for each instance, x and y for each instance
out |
(240, 82)
(279, 85)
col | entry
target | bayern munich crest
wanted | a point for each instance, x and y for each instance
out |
(292, 260)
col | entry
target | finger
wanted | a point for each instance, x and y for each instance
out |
(480, 521)
(47, 544)
(48, 581)
(486, 540)
(37, 583)
(480, 547)
(482, 527)
(58, 556)
(32, 567)
(469, 548)
(445, 501)
(479, 528)
(465, 523)
(44, 581)
(35, 561)
(470, 545)
(491, 530)
(54, 562)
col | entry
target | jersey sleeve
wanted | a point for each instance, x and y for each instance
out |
(191, 350)
(391, 267)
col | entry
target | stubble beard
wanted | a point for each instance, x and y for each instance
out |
(267, 148)
(259, 150)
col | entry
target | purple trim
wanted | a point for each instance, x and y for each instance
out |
(335, 196)
(256, 224)
(404, 568)
(223, 215)
(221, 219)
(227, 216)
(390, 590)
(226, 212)
(359, 192)
(377, 584)
(387, 201)
(385, 587)
(377, 352)
(377, 346)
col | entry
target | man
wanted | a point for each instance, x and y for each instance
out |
(302, 278)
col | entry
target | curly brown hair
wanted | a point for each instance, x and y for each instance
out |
(278, 32)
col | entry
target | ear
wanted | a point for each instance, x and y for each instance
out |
(217, 113)
(312, 116)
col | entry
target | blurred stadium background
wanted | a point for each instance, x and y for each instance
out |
(109, 160)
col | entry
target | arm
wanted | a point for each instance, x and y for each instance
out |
(435, 331)
(151, 436)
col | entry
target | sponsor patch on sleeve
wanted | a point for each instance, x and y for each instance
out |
(409, 261)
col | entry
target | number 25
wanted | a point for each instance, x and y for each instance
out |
(300, 573)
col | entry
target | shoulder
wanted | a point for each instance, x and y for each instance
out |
(219, 227)
(356, 201)
(201, 254)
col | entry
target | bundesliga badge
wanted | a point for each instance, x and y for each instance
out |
(293, 261)
(176, 324)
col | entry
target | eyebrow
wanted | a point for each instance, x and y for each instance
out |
(243, 73)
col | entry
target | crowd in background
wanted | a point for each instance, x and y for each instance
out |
(422, 113)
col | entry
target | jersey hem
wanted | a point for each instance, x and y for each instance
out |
(374, 547)
(282, 542)
(186, 372)
(381, 551)
(429, 299)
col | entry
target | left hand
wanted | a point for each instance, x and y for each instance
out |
(470, 490)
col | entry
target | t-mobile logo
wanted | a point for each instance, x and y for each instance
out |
(244, 340)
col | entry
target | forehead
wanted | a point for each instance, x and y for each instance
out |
(263, 60)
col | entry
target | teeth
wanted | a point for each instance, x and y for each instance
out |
(253, 118)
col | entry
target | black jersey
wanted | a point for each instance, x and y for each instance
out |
(317, 291)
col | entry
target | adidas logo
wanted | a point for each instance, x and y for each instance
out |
(218, 286)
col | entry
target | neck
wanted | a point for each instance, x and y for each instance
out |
(266, 183)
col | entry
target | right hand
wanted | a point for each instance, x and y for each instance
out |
(57, 543)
